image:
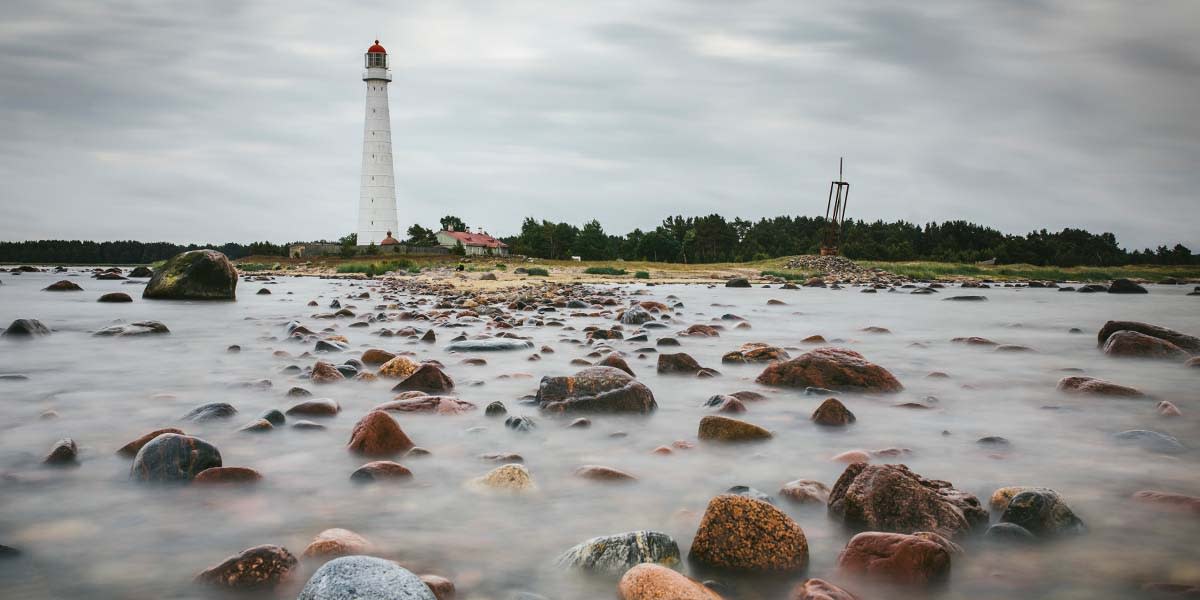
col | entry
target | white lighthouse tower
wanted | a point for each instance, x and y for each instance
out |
(377, 199)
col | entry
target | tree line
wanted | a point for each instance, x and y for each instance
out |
(712, 238)
(706, 239)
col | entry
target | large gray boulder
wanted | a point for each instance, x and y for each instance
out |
(194, 275)
(615, 554)
(364, 578)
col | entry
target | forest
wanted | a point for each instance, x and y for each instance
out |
(707, 239)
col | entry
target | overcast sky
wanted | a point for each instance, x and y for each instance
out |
(238, 120)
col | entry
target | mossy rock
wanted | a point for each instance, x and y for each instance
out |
(194, 275)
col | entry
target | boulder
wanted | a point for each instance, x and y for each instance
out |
(918, 560)
(831, 368)
(1125, 286)
(173, 457)
(489, 345)
(377, 434)
(320, 407)
(1079, 384)
(805, 491)
(724, 429)
(649, 581)
(615, 554)
(323, 372)
(427, 378)
(142, 271)
(1041, 511)
(602, 473)
(441, 405)
(375, 356)
(63, 286)
(595, 389)
(636, 315)
(737, 282)
(614, 360)
(745, 535)
(1140, 345)
(755, 352)
(440, 586)
(64, 453)
(134, 329)
(210, 411)
(131, 449)
(512, 478)
(891, 498)
(398, 367)
(1187, 342)
(227, 475)
(819, 589)
(832, 413)
(115, 297)
(336, 542)
(194, 275)
(364, 578)
(381, 470)
(680, 363)
(26, 328)
(260, 567)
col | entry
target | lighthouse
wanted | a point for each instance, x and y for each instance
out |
(377, 198)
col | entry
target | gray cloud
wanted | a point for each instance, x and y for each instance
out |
(218, 121)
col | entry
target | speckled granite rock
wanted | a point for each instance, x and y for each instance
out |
(595, 389)
(747, 535)
(364, 578)
(172, 457)
(615, 554)
(891, 498)
(260, 567)
(655, 582)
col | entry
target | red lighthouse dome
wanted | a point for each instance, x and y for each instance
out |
(376, 48)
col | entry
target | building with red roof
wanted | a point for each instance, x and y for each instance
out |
(479, 243)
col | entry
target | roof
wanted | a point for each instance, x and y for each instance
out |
(475, 239)
(377, 48)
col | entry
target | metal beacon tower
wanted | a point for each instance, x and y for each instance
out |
(377, 199)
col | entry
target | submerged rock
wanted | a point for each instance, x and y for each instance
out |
(1150, 441)
(260, 567)
(173, 457)
(1190, 343)
(1139, 345)
(832, 413)
(227, 475)
(336, 542)
(210, 411)
(725, 429)
(1096, 387)
(595, 389)
(64, 453)
(26, 328)
(749, 536)
(63, 286)
(364, 578)
(131, 449)
(649, 581)
(115, 297)
(133, 329)
(489, 345)
(194, 275)
(381, 470)
(891, 498)
(755, 352)
(378, 434)
(427, 378)
(805, 491)
(615, 554)
(505, 478)
(819, 589)
(1126, 286)
(1041, 511)
(830, 368)
(922, 559)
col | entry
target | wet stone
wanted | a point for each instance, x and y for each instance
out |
(615, 554)
(259, 567)
(364, 578)
(172, 457)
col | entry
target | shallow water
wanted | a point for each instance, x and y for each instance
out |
(91, 532)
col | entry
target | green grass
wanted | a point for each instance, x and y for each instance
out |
(935, 270)
(378, 267)
(641, 275)
(251, 267)
(605, 271)
(537, 271)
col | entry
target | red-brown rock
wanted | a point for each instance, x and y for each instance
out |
(323, 372)
(442, 588)
(830, 368)
(1097, 387)
(724, 429)
(615, 361)
(377, 434)
(818, 589)
(321, 407)
(1131, 344)
(805, 491)
(336, 542)
(375, 356)
(1189, 343)
(227, 475)
(442, 405)
(897, 558)
(832, 413)
(381, 470)
(131, 449)
(891, 498)
(427, 378)
(602, 473)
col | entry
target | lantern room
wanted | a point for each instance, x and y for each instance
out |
(376, 57)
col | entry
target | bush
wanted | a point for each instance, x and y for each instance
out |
(604, 271)
(251, 267)
(502, 266)
(788, 275)
(538, 271)
(641, 275)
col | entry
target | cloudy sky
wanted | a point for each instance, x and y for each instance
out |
(242, 120)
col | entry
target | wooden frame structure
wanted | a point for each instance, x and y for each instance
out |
(835, 213)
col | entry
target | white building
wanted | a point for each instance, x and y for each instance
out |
(377, 198)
